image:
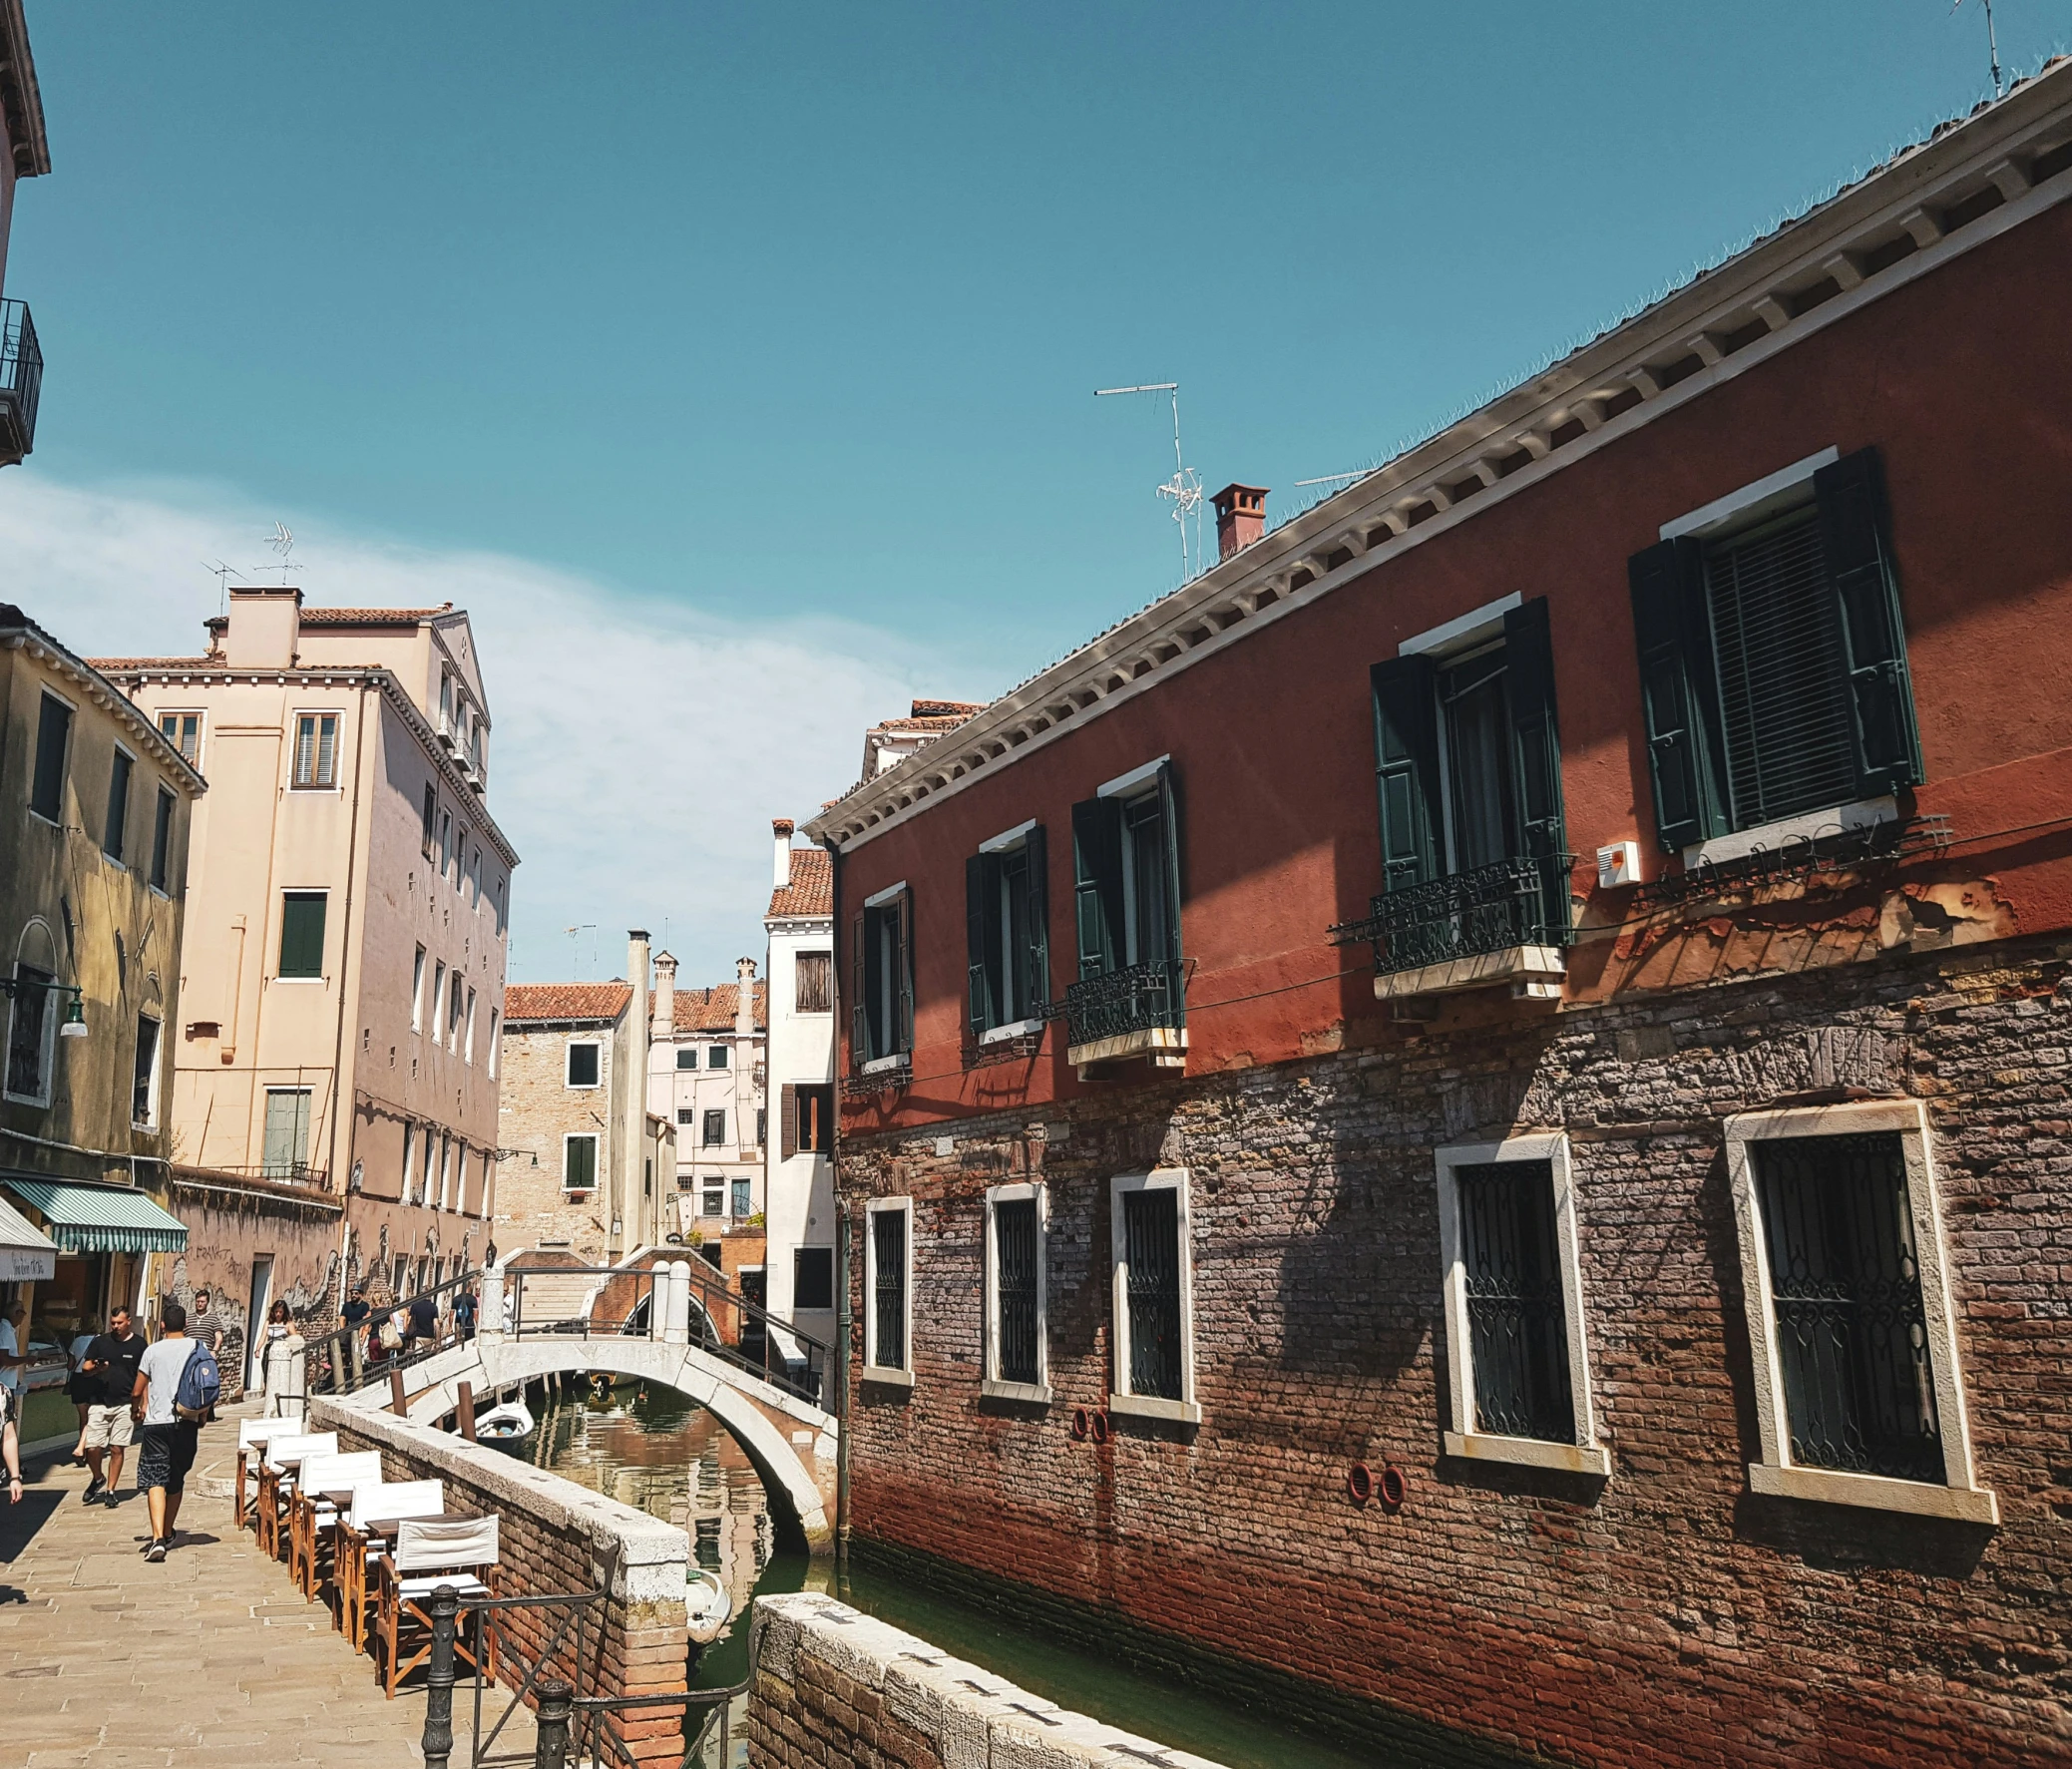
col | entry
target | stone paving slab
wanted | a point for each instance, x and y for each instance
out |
(106, 1662)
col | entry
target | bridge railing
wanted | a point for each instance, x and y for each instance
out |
(354, 1356)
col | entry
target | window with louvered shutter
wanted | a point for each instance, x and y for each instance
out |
(302, 933)
(316, 749)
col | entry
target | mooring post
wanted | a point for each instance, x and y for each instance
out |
(466, 1391)
(438, 1713)
(396, 1403)
(550, 1742)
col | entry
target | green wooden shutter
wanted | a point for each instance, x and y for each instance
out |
(1169, 823)
(1405, 747)
(1528, 655)
(1097, 886)
(1856, 541)
(981, 936)
(860, 968)
(302, 933)
(1673, 632)
(903, 1028)
(1037, 861)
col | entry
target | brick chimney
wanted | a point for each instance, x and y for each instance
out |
(744, 998)
(781, 827)
(1240, 517)
(263, 629)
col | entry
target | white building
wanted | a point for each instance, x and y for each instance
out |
(799, 1158)
(705, 1075)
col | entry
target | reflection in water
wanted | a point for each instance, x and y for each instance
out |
(656, 1451)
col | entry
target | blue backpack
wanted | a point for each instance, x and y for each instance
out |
(201, 1386)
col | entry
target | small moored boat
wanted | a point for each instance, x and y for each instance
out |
(705, 1604)
(506, 1427)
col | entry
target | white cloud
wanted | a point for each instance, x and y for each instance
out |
(640, 745)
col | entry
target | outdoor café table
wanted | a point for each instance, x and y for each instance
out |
(355, 1545)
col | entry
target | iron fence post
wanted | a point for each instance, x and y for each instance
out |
(551, 1743)
(438, 1713)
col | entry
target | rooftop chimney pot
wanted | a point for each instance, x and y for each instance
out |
(1240, 517)
(780, 828)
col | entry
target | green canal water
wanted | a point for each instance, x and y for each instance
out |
(658, 1451)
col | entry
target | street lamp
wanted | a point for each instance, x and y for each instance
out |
(75, 1019)
(74, 1023)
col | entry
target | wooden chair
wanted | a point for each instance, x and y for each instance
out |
(252, 1437)
(276, 1482)
(374, 1505)
(431, 1553)
(313, 1520)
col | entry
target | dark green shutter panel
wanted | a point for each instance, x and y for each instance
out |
(302, 933)
(1169, 821)
(1406, 748)
(902, 1025)
(1673, 632)
(860, 967)
(981, 933)
(1098, 888)
(1528, 655)
(1038, 861)
(1855, 539)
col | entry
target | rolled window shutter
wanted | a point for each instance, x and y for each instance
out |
(1672, 630)
(981, 916)
(1097, 882)
(1856, 540)
(789, 1120)
(1037, 862)
(1406, 748)
(859, 991)
(904, 1028)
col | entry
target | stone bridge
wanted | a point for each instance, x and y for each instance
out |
(791, 1441)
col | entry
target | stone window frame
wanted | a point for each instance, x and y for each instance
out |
(1187, 1409)
(1585, 1456)
(991, 1386)
(1959, 1497)
(892, 1375)
(568, 1045)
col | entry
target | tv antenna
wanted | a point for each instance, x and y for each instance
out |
(1184, 487)
(1992, 45)
(222, 573)
(575, 942)
(1336, 478)
(283, 540)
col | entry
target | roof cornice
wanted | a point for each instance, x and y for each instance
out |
(1913, 214)
(28, 142)
(105, 692)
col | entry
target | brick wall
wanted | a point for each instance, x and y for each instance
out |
(536, 1109)
(1668, 1616)
(556, 1537)
(834, 1687)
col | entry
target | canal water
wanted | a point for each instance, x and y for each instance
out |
(656, 1451)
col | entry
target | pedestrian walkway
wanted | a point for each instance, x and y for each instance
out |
(106, 1662)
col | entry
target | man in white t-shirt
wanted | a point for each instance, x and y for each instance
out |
(14, 1328)
(168, 1439)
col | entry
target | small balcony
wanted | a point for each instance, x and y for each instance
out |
(1507, 922)
(1137, 1011)
(21, 381)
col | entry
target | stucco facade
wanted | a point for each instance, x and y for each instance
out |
(705, 1075)
(798, 1184)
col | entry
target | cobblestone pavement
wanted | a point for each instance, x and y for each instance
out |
(211, 1658)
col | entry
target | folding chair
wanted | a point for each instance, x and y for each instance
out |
(312, 1518)
(277, 1480)
(431, 1553)
(252, 1437)
(374, 1505)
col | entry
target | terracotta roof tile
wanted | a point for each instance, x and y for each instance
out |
(156, 663)
(712, 1010)
(352, 616)
(812, 887)
(565, 1001)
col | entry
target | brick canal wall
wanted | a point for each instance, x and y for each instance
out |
(834, 1687)
(556, 1537)
(1666, 1616)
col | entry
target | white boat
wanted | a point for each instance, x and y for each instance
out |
(506, 1427)
(705, 1604)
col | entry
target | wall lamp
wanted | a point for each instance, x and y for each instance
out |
(74, 1023)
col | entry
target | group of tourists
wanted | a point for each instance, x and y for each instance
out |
(410, 1326)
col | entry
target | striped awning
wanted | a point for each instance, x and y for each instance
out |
(99, 1218)
(27, 1254)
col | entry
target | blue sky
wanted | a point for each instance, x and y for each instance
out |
(752, 350)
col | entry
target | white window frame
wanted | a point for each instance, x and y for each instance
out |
(590, 1136)
(494, 1033)
(1586, 1456)
(417, 971)
(708, 1184)
(596, 1044)
(294, 750)
(149, 1119)
(199, 716)
(1187, 1409)
(990, 1383)
(47, 1063)
(892, 1375)
(1959, 1497)
(46, 692)
(409, 1158)
(468, 1037)
(120, 829)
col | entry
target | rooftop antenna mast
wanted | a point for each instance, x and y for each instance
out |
(1184, 487)
(1992, 45)
(222, 574)
(1336, 478)
(576, 939)
(283, 540)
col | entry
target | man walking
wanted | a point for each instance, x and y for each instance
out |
(14, 1328)
(169, 1440)
(110, 1366)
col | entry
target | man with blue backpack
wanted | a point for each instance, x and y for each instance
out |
(178, 1385)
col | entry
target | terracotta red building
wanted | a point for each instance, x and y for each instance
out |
(1467, 1116)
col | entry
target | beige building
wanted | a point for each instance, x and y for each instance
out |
(799, 1186)
(348, 900)
(95, 817)
(588, 1169)
(707, 1075)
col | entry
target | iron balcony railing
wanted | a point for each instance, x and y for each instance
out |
(1516, 902)
(1137, 998)
(21, 381)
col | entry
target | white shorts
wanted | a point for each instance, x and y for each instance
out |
(108, 1428)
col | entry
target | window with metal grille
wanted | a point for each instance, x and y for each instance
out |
(687, 1115)
(712, 1198)
(1015, 1234)
(744, 1197)
(1516, 1321)
(1151, 1231)
(1783, 672)
(29, 1024)
(889, 1289)
(1844, 1282)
